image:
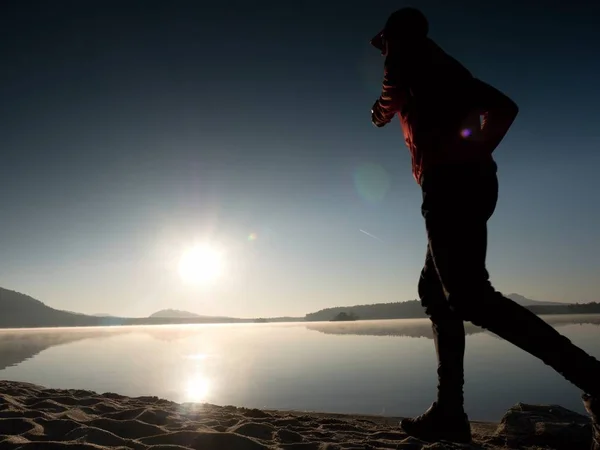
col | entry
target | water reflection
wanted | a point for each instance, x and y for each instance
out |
(17, 346)
(420, 328)
(329, 366)
(198, 357)
(197, 389)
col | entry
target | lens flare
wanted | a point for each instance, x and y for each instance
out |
(372, 182)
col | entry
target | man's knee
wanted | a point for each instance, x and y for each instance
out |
(430, 289)
(422, 289)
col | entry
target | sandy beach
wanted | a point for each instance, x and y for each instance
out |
(33, 417)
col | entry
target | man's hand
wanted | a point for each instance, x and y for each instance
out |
(382, 112)
(471, 127)
(376, 118)
(498, 112)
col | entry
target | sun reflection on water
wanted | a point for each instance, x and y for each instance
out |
(197, 389)
(198, 356)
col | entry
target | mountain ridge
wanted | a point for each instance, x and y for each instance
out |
(524, 301)
(23, 311)
(174, 313)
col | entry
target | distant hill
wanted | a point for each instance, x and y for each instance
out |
(523, 301)
(177, 314)
(20, 310)
(174, 314)
(398, 310)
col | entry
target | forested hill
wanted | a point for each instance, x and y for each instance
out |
(399, 310)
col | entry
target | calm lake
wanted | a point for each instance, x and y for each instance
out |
(371, 367)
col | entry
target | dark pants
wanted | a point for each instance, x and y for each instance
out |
(454, 284)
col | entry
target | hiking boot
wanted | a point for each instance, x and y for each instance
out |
(439, 424)
(592, 405)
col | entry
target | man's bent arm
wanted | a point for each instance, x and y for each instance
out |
(393, 97)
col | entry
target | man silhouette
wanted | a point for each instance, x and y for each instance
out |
(452, 122)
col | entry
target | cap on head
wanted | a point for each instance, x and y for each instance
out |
(405, 23)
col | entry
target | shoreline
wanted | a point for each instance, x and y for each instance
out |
(120, 323)
(35, 417)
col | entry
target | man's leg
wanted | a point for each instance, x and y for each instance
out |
(458, 246)
(457, 202)
(445, 420)
(448, 335)
(529, 332)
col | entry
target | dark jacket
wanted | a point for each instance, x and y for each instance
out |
(433, 94)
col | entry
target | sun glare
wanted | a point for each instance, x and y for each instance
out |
(200, 264)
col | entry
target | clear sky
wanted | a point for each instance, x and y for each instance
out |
(130, 131)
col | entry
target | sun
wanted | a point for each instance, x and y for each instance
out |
(201, 264)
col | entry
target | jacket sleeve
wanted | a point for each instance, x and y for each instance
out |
(392, 99)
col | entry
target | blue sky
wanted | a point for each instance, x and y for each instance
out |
(129, 133)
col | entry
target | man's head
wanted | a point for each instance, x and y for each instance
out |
(405, 24)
